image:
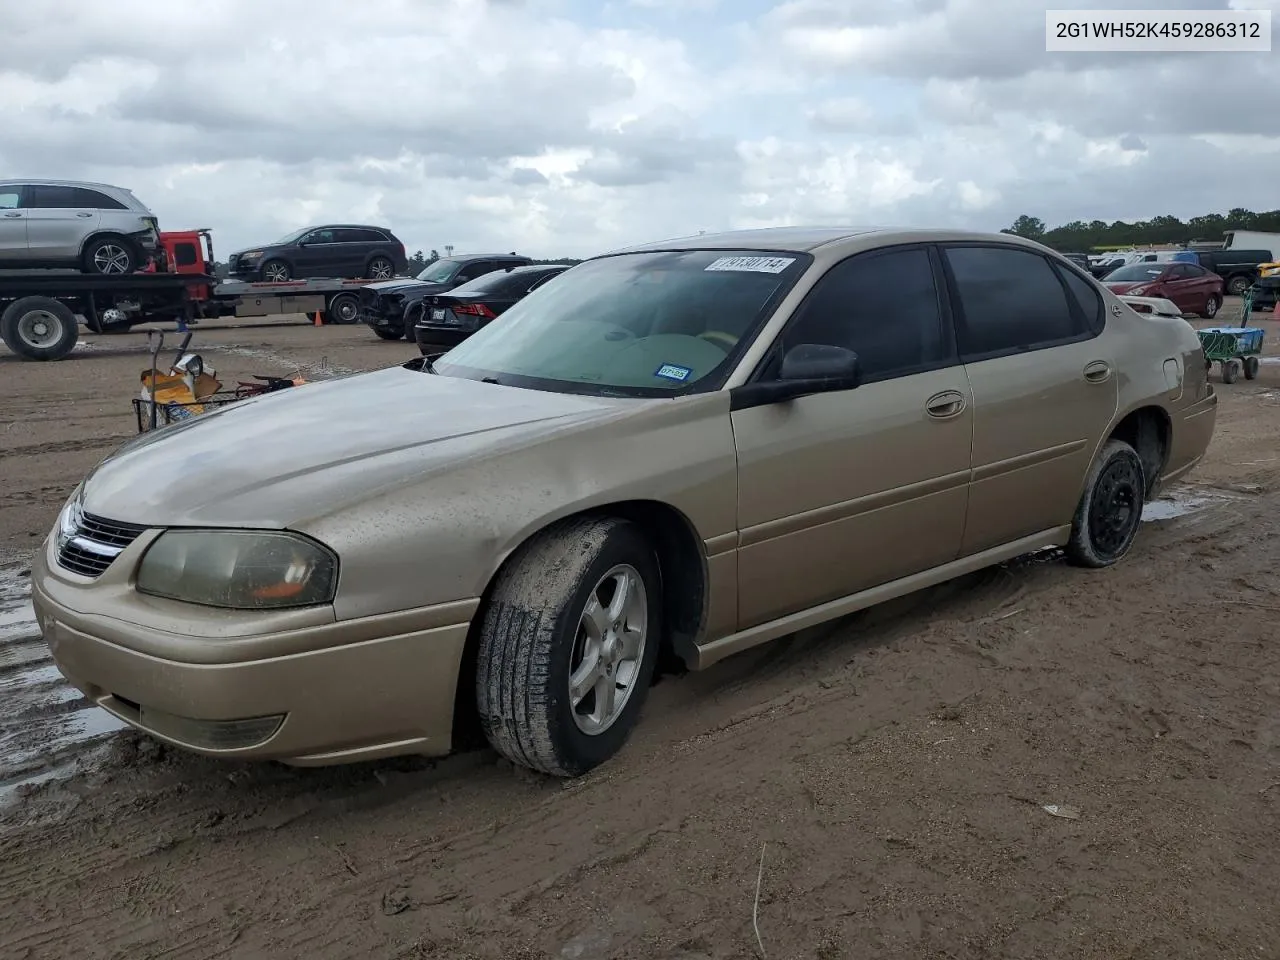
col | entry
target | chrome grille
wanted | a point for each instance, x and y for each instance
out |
(93, 542)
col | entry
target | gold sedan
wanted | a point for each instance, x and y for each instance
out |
(695, 446)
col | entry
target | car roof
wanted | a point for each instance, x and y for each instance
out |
(353, 226)
(41, 182)
(810, 239)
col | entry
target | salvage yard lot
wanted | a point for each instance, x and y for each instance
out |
(883, 778)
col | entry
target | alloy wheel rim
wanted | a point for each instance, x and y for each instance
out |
(111, 258)
(1116, 508)
(276, 273)
(381, 270)
(609, 647)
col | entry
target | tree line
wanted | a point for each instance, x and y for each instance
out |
(1081, 237)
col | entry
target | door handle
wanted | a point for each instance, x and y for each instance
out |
(1097, 372)
(945, 405)
(13, 215)
(84, 214)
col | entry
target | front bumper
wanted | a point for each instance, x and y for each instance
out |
(322, 693)
(378, 310)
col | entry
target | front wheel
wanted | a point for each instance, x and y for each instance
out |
(1230, 371)
(1251, 368)
(387, 333)
(568, 646)
(1237, 285)
(276, 271)
(1110, 509)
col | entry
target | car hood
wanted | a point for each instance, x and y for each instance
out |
(401, 285)
(305, 452)
(260, 247)
(1116, 287)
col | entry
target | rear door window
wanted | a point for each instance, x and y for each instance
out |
(46, 197)
(1009, 301)
(10, 198)
(1087, 298)
(94, 200)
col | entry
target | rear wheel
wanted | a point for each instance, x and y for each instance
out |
(39, 328)
(380, 268)
(568, 646)
(343, 308)
(1251, 368)
(109, 256)
(1110, 509)
(1237, 285)
(1211, 307)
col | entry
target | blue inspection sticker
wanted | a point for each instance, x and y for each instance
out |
(671, 371)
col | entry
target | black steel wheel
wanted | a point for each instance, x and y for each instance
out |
(1110, 508)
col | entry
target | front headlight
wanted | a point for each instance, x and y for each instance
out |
(238, 569)
(251, 255)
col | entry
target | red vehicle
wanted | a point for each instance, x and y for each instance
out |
(1190, 286)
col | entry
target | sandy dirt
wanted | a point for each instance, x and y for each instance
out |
(874, 788)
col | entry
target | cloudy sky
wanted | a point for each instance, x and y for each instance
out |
(567, 127)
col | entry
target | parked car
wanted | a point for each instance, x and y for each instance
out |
(342, 250)
(689, 448)
(1237, 268)
(1193, 288)
(1102, 266)
(1081, 260)
(392, 307)
(447, 319)
(92, 227)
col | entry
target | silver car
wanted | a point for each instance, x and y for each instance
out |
(92, 227)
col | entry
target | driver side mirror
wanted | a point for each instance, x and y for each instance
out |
(806, 368)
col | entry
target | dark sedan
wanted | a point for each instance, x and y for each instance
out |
(448, 319)
(390, 308)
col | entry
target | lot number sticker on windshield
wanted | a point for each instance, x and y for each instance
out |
(752, 264)
(669, 371)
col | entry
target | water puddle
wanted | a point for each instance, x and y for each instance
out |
(45, 723)
(1185, 500)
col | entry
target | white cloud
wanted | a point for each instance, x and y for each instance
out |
(560, 127)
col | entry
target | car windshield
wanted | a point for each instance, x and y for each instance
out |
(439, 271)
(638, 324)
(1136, 272)
(290, 237)
(497, 281)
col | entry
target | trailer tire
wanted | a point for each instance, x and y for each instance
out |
(343, 308)
(39, 328)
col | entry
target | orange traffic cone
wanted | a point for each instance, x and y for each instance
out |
(1276, 312)
(319, 322)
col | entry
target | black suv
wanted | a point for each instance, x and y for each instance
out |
(446, 319)
(342, 250)
(392, 307)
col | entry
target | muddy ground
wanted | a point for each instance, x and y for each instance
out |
(876, 788)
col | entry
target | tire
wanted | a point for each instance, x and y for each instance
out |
(109, 256)
(1211, 307)
(1251, 368)
(380, 268)
(343, 308)
(1237, 285)
(276, 271)
(1230, 371)
(411, 314)
(532, 639)
(1110, 509)
(38, 328)
(389, 333)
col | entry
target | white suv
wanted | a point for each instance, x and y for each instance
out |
(93, 227)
